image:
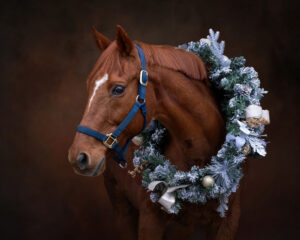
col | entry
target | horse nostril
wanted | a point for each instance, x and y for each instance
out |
(83, 161)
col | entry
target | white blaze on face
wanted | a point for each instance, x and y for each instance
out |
(98, 83)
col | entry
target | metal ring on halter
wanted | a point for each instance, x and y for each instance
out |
(137, 99)
(123, 166)
(141, 78)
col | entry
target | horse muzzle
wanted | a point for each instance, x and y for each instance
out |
(83, 165)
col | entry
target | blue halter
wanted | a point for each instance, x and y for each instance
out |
(110, 140)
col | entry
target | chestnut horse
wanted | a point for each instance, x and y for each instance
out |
(178, 95)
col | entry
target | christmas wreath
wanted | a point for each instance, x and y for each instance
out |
(245, 120)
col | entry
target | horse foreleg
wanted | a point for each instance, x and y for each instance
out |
(226, 228)
(152, 223)
(125, 215)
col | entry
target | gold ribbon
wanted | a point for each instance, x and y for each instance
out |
(167, 198)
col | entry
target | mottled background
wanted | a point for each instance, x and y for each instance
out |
(47, 51)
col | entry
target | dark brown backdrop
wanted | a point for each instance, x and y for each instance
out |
(48, 51)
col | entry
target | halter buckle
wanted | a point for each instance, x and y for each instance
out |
(141, 78)
(123, 166)
(110, 141)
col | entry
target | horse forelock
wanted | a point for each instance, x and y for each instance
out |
(175, 59)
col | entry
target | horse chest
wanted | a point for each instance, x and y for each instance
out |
(123, 186)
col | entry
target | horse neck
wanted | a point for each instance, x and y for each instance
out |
(187, 108)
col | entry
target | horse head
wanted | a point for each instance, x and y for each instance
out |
(112, 91)
(178, 95)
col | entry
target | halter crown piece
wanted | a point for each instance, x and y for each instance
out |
(111, 140)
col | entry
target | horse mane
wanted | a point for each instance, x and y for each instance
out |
(175, 59)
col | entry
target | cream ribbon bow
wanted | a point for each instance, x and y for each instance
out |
(167, 199)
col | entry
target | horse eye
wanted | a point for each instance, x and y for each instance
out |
(117, 90)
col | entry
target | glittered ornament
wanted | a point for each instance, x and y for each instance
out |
(208, 181)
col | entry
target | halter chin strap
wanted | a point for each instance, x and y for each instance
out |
(111, 140)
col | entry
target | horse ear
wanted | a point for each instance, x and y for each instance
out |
(101, 41)
(124, 43)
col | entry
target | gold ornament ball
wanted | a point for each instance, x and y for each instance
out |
(138, 140)
(208, 181)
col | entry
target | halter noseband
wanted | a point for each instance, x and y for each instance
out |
(110, 140)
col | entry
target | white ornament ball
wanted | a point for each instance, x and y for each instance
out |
(253, 111)
(239, 142)
(208, 181)
(205, 40)
(138, 140)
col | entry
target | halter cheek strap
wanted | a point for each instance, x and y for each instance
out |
(111, 140)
